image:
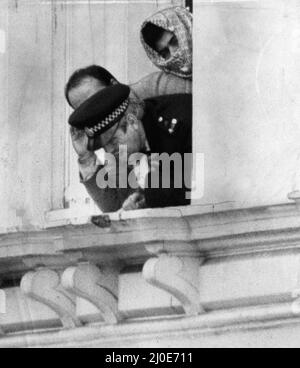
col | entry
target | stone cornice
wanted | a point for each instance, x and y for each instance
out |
(133, 237)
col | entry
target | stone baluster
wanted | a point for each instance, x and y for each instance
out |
(179, 276)
(44, 286)
(97, 285)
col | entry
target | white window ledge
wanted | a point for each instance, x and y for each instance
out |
(204, 228)
(134, 236)
(81, 215)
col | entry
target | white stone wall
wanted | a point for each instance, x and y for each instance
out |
(247, 99)
(25, 114)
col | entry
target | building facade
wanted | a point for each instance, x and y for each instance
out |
(223, 272)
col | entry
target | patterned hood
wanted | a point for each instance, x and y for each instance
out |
(179, 21)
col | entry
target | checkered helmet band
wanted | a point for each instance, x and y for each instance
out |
(109, 121)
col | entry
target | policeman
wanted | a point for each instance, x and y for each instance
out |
(161, 125)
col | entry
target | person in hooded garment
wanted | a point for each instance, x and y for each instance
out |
(167, 39)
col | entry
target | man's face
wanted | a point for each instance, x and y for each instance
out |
(167, 45)
(129, 132)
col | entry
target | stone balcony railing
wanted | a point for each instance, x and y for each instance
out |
(186, 276)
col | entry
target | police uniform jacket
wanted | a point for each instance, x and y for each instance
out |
(168, 125)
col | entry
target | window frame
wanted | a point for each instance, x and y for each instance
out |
(64, 160)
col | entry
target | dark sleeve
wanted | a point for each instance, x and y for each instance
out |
(109, 199)
(173, 196)
(161, 198)
(179, 106)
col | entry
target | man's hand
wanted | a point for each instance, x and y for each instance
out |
(136, 201)
(80, 142)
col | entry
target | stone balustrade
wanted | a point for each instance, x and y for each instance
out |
(192, 270)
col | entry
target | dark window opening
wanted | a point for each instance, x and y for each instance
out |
(189, 4)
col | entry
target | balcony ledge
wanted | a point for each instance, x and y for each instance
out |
(201, 263)
(133, 237)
